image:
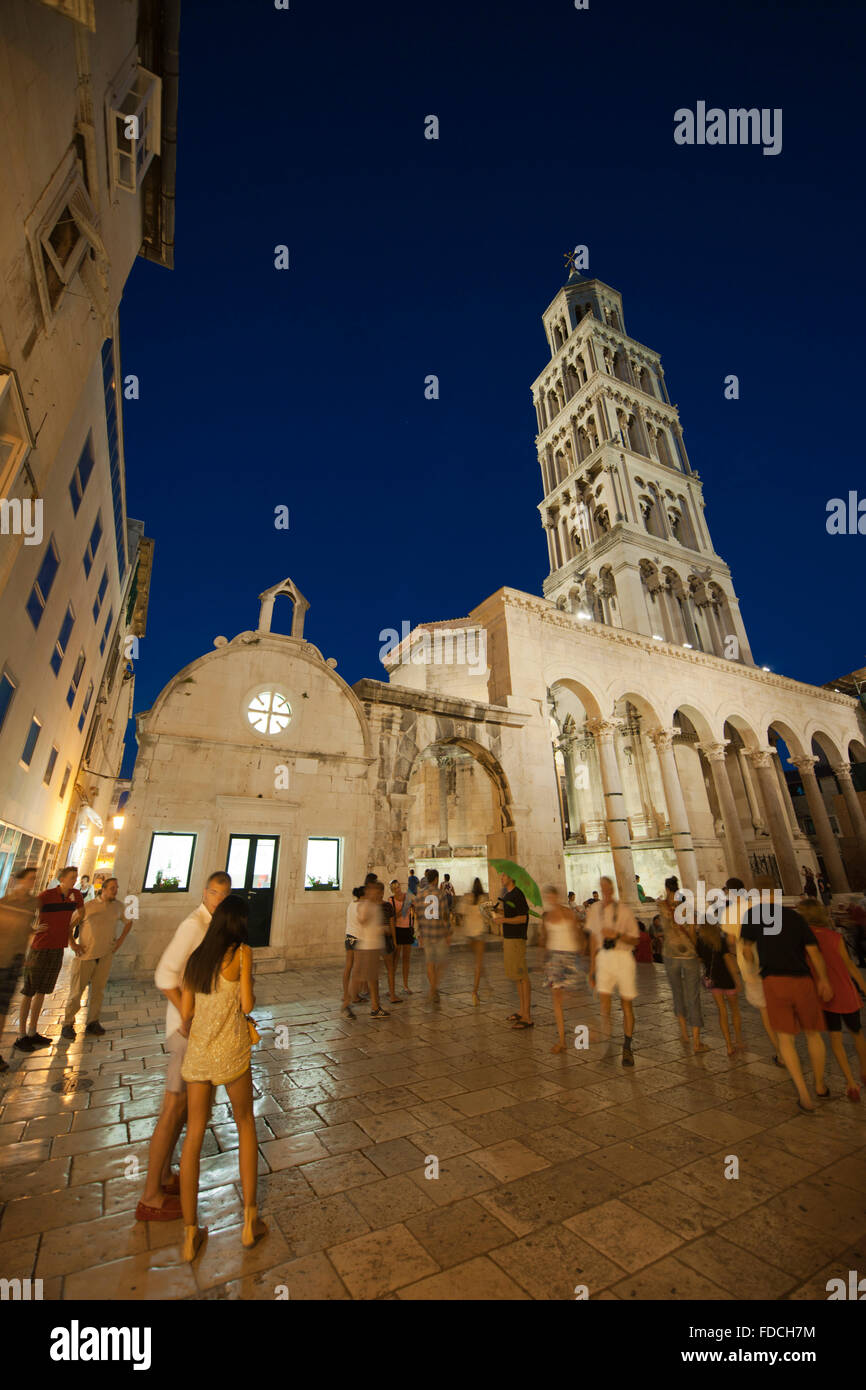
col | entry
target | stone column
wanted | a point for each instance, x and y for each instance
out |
(787, 799)
(751, 796)
(604, 731)
(842, 773)
(566, 748)
(444, 763)
(738, 860)
(777, 821)
(823, 829)
(663, 741)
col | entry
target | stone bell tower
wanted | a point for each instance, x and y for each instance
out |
(623, 509)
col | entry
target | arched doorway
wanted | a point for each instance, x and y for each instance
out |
(459, 812)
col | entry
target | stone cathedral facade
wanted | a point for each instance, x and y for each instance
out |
(615, 724)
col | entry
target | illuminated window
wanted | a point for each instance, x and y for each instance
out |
(323, 862)
(269, 713)
(169, 862)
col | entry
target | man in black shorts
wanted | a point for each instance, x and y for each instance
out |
(60, 909)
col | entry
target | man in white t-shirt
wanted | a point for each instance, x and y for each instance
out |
(159, 1200)
(93, 966)
(613, 934)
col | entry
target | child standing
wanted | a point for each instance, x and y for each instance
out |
(720, 969)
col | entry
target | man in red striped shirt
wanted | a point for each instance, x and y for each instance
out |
(59, 910)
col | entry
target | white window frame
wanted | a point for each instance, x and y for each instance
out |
(15, 438)
(65, 191)
(136, 93)
(82, 11)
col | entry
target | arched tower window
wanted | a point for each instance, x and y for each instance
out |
(664, 449)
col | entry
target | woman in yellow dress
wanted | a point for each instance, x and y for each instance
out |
(217, 996)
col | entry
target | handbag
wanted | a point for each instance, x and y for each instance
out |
(255, 1036)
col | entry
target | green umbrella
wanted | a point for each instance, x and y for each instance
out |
(522, 880)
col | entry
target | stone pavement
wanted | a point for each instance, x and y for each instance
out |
(554, 1171)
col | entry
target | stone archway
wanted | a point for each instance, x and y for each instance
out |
(458, 813)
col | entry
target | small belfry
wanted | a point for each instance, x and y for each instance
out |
(623, 509)
(289, 589)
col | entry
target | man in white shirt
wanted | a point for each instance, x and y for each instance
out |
(160, 1200)
(613, 934)
(92, 967)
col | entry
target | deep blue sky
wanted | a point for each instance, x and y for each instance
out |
(306, 387)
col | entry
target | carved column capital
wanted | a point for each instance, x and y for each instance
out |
(761, 757)
(805, 765)
(662, 739)
(714, 752)
(841, 771)
(603, 730)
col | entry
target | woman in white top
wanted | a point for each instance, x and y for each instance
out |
(370, 944)
(476, 928)
(561, 938)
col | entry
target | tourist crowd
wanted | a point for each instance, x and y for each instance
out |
(797, 968)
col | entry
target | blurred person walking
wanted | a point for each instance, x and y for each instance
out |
(843, 1006)
(370, 944)
(559, 936)
(788, 954)
(18, 920)
(613, 933)
(682, 964)
(475, 926)
(404, 932)
(433, 922)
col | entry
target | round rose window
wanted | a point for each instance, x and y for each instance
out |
(269, 713)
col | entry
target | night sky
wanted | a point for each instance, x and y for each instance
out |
(305, 387)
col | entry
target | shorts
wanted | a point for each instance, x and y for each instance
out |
(793, 1005)
(616, 970)
(561, 971)
(405, 936)
(754, 987)
(41, 969)
(834, 1021)
(514, 958)
(366, 966)
(175, 1046)
(435, 943)
(9, 977)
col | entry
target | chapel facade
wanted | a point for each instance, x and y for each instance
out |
(615, 724)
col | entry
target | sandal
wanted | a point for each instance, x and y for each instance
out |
(558, 1047)
(522, 1023)
(806, 1109)
(512, 1018)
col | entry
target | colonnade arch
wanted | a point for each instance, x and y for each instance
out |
(707, 793)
